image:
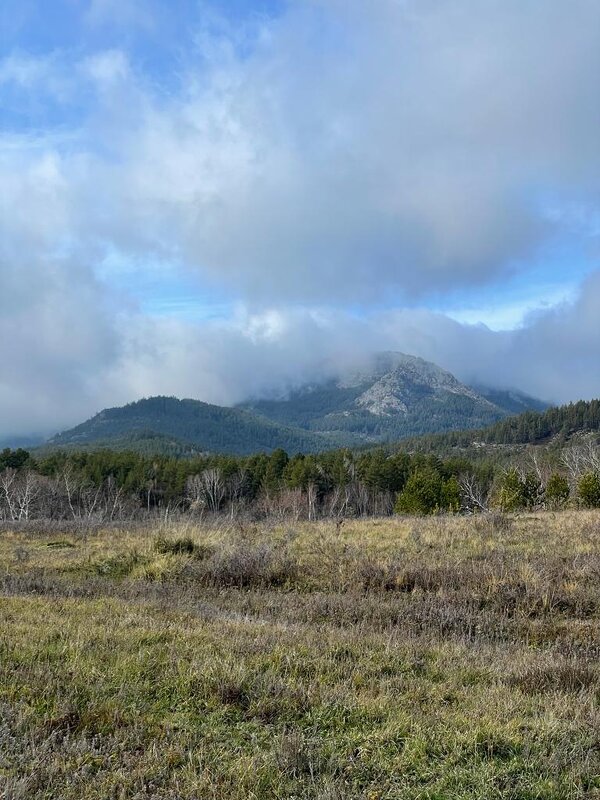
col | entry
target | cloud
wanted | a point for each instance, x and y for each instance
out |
(107, 67)
(23, 71)
(71, 359)
(339, 155)
(120, 13)
(414, 148)
(56, 332)
(36, 78)
(314, 166)
(554, 356)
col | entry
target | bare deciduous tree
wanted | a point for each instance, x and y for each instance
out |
(206, 490)
(19, 490)
(473, 495)
(311, 498)
(581, 458)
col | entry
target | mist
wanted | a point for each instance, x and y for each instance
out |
(337, 173)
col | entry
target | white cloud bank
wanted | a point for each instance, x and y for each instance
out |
(340, 155)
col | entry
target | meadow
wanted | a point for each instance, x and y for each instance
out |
(413, 658)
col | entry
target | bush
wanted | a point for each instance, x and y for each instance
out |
(512, 491)
(249, 566)
(451, 495)
(533, 491)
(557, 490)
(589, 489)
(424, 493)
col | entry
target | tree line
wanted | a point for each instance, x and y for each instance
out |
(530, 427)
(106, 485)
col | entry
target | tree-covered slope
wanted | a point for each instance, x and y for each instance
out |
(510, 400)
(208, 427)
(531, 427)
(142, 442)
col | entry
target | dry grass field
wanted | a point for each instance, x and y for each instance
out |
(438, 658)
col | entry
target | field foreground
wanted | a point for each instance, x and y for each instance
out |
(391, 658)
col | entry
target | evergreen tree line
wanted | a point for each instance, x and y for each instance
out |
(530, 427)
(106, 485)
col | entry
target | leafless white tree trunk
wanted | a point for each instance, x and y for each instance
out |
(473, 495)
(311, 498)
(18, 492)
(28, 488)
(7, 482)
(235, 488)
(207, 490)
(581, 458)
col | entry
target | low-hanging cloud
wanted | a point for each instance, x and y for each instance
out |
(87, 362)
(343, 153)
(554, 356)
(324, 160)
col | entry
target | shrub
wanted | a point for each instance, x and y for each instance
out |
(589, 489)
(249, 566)
(451, 495)
(422, 493)
(557, 490)
(512, 491)
(533, 491)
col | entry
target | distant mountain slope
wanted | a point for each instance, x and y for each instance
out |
(510, 400)
(188, 422)
(396, 396)
(532, 427)
(14, 442)
(145, 443)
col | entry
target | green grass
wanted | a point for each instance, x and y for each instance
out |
(429, 659)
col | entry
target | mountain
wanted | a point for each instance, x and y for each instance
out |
(143, 442)
(395, 396)
(168, 425)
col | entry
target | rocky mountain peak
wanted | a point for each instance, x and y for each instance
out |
(395, 382)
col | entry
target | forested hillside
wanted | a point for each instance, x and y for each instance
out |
(87, 484)
(184, 427)
(531, 427)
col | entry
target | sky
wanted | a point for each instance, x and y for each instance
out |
(227, 199)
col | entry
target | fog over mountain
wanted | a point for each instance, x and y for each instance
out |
(225, 200)
(387, 398)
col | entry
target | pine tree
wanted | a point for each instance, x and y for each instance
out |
(589, 489)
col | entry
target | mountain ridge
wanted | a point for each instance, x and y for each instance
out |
(391, 398)
(210, 428)
(395, 396)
